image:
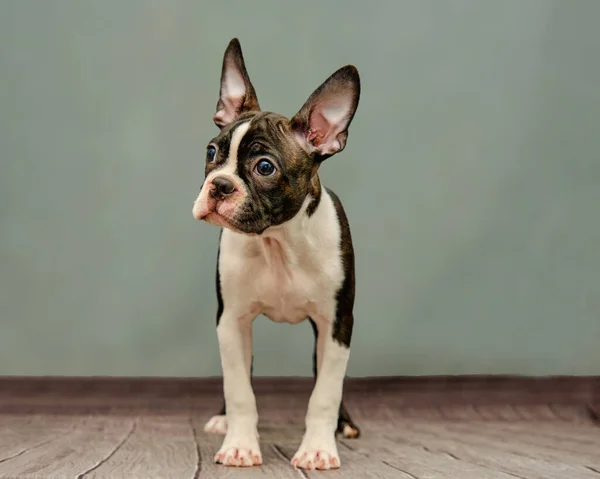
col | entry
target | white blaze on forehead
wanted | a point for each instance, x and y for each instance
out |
(231, 163)
(204, 204)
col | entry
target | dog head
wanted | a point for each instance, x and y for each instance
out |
(262, 167)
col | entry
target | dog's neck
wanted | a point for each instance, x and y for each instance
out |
(289, 241)
(293, 240)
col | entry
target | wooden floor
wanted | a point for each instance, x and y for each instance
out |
(414, 432)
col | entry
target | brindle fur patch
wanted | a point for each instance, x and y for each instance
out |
(220, 305)
(315, 193)
(277, 199)
(344, 419)
(344, 318)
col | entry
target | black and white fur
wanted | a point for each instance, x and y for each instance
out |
(285, 251)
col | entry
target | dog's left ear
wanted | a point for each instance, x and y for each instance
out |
(237, 94)
(322, 123)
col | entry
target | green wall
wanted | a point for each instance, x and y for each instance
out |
(471, 180)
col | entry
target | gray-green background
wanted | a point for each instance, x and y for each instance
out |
(471, 179)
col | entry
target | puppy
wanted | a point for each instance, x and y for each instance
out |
(285, 251)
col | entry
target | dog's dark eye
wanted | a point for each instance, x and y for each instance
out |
(264, 168)
(211, 153)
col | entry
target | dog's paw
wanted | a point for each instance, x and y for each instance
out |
(350, 431)
(316, 459)
(242, 452)
(238, 457)
(216, 424)
(317, 451)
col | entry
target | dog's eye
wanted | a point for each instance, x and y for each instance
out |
(211, 153)
(264, 168)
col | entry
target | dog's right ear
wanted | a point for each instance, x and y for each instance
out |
(237, 94)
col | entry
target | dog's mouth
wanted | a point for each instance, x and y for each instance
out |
(216, 219)
(224, 213)
(223, 220)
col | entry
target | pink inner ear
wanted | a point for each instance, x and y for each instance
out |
(233, 91)
(326, 122)
(319, 127)
(229, 111)
(233, 84)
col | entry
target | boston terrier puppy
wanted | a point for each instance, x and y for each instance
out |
(285, 251)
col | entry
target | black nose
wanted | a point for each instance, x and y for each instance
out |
(223, 187)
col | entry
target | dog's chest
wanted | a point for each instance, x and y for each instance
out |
(289, 274)
(288, 286)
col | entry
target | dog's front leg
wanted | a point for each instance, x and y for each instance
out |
(240, 447)
(318, 449)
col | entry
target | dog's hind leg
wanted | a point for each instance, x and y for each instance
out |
(345, 425)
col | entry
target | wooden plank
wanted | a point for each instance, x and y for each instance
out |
(400, 447)
(498, 455)
(158, 447)
(563, 436)
(574, 433)
(416, 462)
(73, 453)
(525, 438)
(22, 433)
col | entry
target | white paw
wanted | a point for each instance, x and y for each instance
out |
(317, 454)
(216, 424)
(240, 452)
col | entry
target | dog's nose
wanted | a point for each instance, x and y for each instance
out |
(223, 187)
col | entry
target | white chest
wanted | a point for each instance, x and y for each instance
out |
(288, 275)
(289, 293)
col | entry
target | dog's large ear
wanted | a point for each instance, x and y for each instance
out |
(322, 123)
(237, 94)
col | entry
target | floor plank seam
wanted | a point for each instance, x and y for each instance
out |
(351, 448)
(499, 470)
(449, 454)
(113, 452)
(457, 458)
(198, 453)
(396, 468)
(445, 453)
(27, 449)
(35, 446)
(485, 466)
